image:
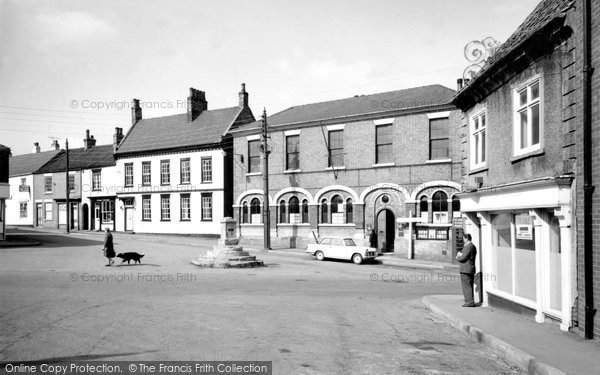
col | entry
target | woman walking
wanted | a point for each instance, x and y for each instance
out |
(109, 249)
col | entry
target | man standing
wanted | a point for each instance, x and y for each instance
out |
(109, 249)
(467, 269)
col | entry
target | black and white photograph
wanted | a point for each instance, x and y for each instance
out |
(299, 187)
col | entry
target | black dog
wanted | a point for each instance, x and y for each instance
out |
(130, 256)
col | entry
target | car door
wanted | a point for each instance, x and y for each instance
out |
(337, 248)
(325, 246)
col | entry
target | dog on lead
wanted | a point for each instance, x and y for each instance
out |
(130, 256)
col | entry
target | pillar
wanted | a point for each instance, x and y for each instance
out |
(540, 223)
(565, 221)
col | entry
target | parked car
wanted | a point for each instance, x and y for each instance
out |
(341, 248)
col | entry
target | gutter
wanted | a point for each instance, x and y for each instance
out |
(588, 188)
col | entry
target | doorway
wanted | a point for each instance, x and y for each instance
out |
(386, 230)
(39, 215)
(128, 218)
(85, 216)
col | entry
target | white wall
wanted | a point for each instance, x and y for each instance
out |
(195, 188)
(16, 197)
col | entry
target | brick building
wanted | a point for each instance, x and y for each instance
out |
(350, 166)
(523, 197)
(175, 172)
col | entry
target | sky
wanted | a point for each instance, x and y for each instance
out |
(67, 66)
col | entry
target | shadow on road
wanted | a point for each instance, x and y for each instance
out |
(85, 357)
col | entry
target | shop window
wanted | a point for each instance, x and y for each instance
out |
(427, 233)
(455, 206)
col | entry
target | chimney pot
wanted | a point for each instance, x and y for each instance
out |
(243, 97)
(55, 145)
(36, 147)
(136, 111)
(88, 142)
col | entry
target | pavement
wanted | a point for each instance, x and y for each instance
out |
(537, 348)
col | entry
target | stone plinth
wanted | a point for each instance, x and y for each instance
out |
(227, 253)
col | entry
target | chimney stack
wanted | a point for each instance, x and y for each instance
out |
(136, 111)
(54, 146)
(459, 84)
(196, 104)
(243, 97)
(88, 142)
(36, 148)
(117, 138)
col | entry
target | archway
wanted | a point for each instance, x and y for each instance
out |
(85, 216)
(386, 230)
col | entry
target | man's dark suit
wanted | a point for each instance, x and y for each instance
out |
(467, 271)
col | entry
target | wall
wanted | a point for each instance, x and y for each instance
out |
(13, 216)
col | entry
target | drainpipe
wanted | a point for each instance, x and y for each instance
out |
(588, 188)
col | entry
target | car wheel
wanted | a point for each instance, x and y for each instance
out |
(320, 255)
(357, 258)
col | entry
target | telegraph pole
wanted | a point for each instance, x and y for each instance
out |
(68, 210)
(265, 159)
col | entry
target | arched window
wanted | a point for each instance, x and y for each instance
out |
(294, 208)
(337, 210)
(423, 205)
(255, 210)
(324, 213)
(282, 214)
(440, 207)
(245, 212)
(305, 211)
(349, 211)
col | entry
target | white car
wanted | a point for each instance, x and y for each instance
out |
(341, 248)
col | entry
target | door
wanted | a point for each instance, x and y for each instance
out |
(85, 216)
(128, 218)
(386, 231)
(74, 216)
(39, 214)
(97, 216)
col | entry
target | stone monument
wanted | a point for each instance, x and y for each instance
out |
(227, 253)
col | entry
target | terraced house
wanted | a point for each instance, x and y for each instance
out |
(387, 162)
(175, 172)
(527, 199)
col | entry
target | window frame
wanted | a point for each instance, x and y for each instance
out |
(203, 211)
(107, 211)
(518, 109)
(478, 149)
(48, 183)
(182, 198)
(288, 167)
(128, 167)
(71, 185)
(252, 157)
(147, 173)
(330, 149)
(379, 144)
(22, 209)
(166, 173)
(206, 171)
(183, 172)
(97, 180)
(146, 210)
(165, 210)
(431, 139)
(48, 211)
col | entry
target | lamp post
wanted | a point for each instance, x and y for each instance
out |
(68, 189)
(265, 155)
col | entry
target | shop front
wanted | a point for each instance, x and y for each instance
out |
(524, 235)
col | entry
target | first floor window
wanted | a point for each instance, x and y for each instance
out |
(254, 156)
(185, 207)
(48, 211)
(292, 151)
(146, 173)
(108, 207)
(383, 144)
(184, 171)
(336, 148)
(206, 165)
(23, 209)
(165, 207)
(527, 122)
(207, 203)
(96, 180)
(48, 184)
(165, 172)
(146, 207)
(439, 141)
(71, 182)
(478, 140)
(129, 174)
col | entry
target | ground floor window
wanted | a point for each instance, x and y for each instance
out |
(23, 209)
(207, 204)
(428, 233)
(107, 208)
(48, 211)
(185, 207)
(165, 207)
(146, 208)
(513, 254)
